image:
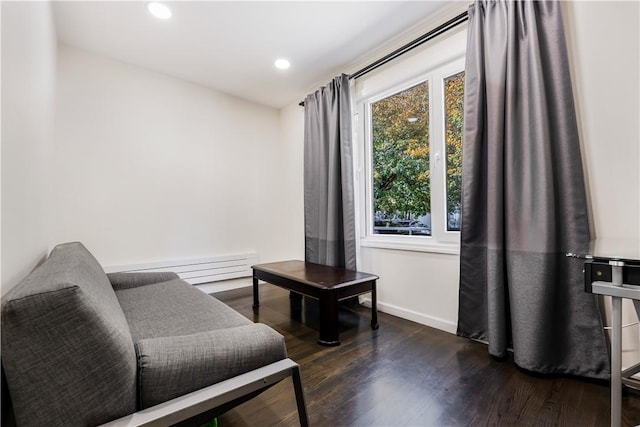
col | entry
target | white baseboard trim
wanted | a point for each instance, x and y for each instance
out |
(198, 270)
(225, 285)
(414, 316)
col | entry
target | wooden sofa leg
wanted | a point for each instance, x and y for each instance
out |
(297, 386)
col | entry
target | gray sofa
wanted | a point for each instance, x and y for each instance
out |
(81, 348)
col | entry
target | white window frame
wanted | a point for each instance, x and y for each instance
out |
(441, 240)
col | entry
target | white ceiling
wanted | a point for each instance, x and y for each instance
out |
(231, 46)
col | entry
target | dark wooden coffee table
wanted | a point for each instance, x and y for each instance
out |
(326, 284)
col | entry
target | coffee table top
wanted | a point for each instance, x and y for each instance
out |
(318, 275)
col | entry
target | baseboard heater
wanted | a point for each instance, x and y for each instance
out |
(198, 270)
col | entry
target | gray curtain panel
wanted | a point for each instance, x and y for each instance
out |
(329, 218)
(524, 203)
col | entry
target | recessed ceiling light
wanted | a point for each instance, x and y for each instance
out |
(282, 64)
(159, 10)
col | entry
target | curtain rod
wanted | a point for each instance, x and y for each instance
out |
(452, 23)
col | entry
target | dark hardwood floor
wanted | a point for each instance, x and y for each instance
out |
(406, 374)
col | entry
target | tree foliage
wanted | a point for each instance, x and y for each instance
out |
(401, 152)
(454, 113)
(401, 173)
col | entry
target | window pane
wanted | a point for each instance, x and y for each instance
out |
(401, 192)
(453, 102)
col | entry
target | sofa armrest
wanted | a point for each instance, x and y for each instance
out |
(172, 366)
(121, 281)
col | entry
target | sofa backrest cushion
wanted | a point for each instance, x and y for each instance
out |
(174, 308)
(67, 350)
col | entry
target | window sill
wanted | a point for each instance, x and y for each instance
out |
(449, 248)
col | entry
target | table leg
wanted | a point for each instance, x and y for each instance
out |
(295, 306)
(616, 362)
(616, 346)
(374, 307)
(329, 327)
(256, 297)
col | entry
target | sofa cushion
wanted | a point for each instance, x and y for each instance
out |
(67, 351)
(133, 280)
(71, 264)
(174, 308)
(186, 340)
(171, 366)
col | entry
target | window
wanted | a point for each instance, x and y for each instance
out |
(400, 134)
(412, 158)
(453, 114)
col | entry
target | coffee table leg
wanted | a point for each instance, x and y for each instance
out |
(256, 297)
(374, 309)
(295, 306)
(329, 328)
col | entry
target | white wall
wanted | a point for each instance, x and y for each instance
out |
(602, 39)
(149, 167)
(28, 84)
(420, 286)
(291, 137)
(605, 70)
